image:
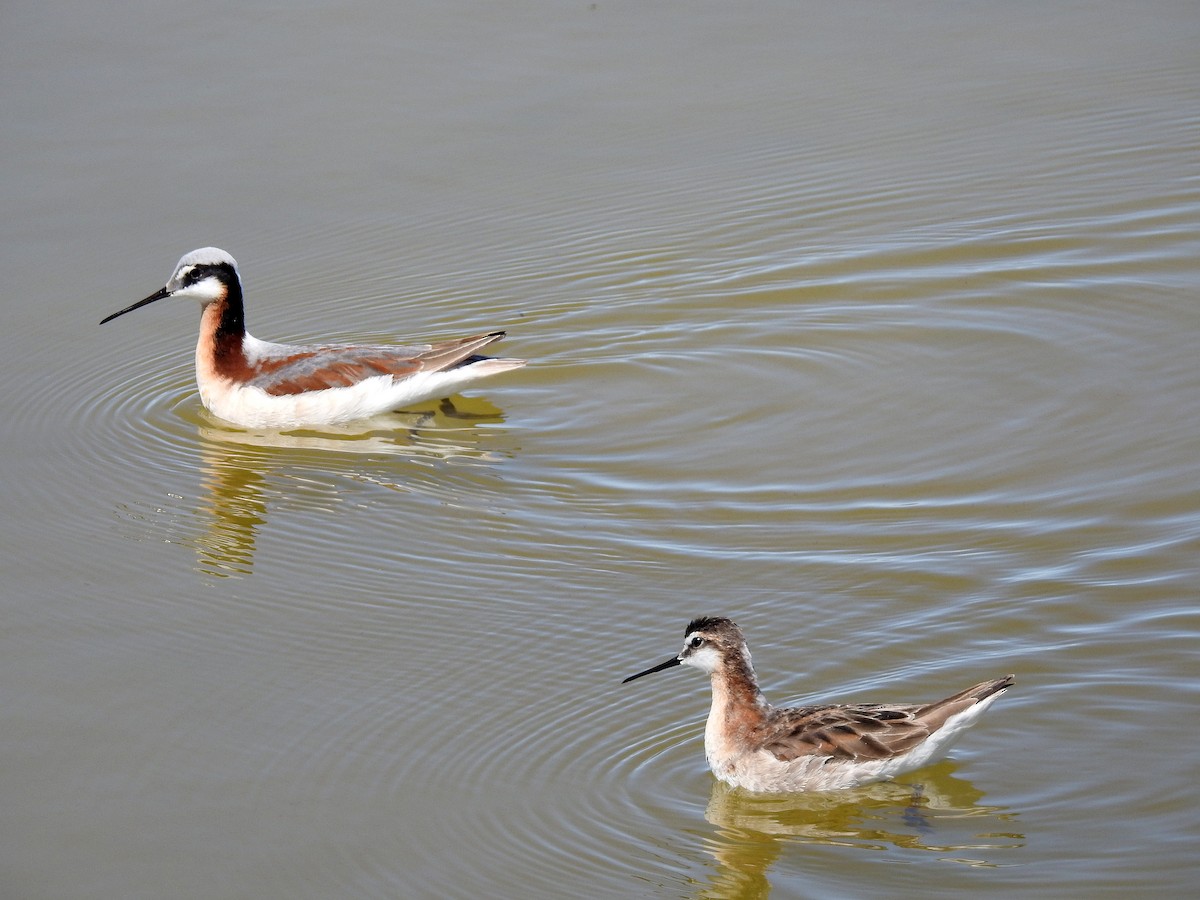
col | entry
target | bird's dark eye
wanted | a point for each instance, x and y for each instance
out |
(695, 642)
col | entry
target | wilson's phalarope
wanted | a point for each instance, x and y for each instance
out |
(754, 745)
(257, 384)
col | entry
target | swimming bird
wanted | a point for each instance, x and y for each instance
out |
(258, 384)
(754, 745)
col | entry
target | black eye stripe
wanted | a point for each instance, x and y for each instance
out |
(195, 274)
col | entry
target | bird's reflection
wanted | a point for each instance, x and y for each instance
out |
(939, 813)
(237, 466)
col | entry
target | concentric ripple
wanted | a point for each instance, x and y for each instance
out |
(875, 332)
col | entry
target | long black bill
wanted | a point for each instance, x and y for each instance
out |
(673, 661)
(157, 295)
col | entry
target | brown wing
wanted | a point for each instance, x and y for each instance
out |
(849, 732)
(319, 368)
(867, 731)
(935, 714)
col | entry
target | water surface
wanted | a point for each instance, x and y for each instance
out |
(870, 326)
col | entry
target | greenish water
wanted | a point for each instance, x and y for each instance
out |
(870, 326)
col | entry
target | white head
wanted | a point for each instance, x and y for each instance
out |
(709, 643)
(202, 274)
(207, 275)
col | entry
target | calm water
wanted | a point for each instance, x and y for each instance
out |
(872, 326)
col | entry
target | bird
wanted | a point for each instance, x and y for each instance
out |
(753, 745)
(259, 384)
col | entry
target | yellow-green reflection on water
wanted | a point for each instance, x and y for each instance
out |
(940, 814)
